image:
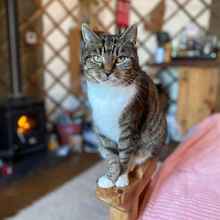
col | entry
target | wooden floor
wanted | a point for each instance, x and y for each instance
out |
(21, 193)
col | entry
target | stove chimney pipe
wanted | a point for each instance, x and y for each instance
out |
(14, 47)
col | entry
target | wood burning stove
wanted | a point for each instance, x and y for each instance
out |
(22, 127)
(22, 119)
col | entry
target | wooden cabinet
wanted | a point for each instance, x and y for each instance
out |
(198, 92)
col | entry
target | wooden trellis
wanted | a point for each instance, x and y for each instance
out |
(51, 20)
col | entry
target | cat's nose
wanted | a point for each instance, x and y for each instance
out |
(108, 73)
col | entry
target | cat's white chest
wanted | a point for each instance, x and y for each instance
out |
(107, 103)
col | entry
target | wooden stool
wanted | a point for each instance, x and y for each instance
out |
(127, 203)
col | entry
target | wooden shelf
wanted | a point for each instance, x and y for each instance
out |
(188, 63)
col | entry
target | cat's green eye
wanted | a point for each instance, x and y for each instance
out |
(97, 59)
(122, 59)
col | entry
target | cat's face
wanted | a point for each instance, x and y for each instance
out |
(109, 58)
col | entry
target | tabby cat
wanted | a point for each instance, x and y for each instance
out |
(129, 120)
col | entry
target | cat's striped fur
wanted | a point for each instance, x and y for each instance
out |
(111, 62)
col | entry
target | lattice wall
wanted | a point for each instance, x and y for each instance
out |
(51, 21)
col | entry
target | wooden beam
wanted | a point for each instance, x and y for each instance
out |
(214, 27)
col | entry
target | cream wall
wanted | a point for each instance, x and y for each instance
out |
(57, 39)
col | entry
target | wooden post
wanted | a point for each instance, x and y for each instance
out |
(126, 203)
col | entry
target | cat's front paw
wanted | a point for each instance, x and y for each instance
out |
(122, 181)
(105, 182)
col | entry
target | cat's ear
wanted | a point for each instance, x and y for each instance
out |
(130, 34)
(88, 35)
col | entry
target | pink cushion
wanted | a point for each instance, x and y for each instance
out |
(188, 185)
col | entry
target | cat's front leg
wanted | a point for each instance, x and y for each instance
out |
(112, 173)
(126, 148)
(125, 158)
(107, 149)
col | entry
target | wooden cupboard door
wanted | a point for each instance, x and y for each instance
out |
(198, 88)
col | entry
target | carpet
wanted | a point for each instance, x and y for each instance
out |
(75, 200)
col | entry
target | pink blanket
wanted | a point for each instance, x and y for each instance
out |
(188, 184)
